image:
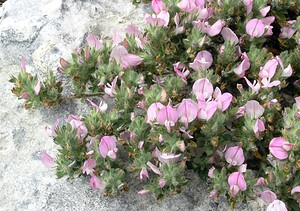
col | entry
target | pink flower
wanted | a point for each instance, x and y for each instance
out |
(236, 182)
(286, 72)
(94, 42)
(121, 56)
(204, 13)
(202, 88)
(96, 183)
(264, 11)
(117, 38)
(272, 103)
(234, 156)
(276, 205)
(215, 29)
(279, 147)
(184, 73)
(187, 5)
(164, 157)
(269, 70)
(134, 30)
(162, 182)
(268, 196)
(52, 131)
(213, 194)
(202, 61)
(259, 182)
(255, 28)
(37, 88)
(143, 192)
(249, 5)
(253, 109)
(243, 67)
(161, 19)
(211, 172)
(102, 107)
(287, 32)
(295, 190)
(258, 127)
(255, 86)
(107, 147)
(178, 29)
(187, 111)
(23, 66)
(158, 6)
(141, 144)
(154, 168)
(47, 160)
(229, 35)
(153, 111)
(88, 166)
(110, 88)
(207, 110)
(144, 174)
(77, 124)
(223, 100)
(167, 116)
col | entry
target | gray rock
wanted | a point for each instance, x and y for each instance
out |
(44, 31)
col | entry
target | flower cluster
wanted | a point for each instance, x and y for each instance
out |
(208, 86)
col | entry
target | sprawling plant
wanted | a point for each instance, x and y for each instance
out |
(209, 86)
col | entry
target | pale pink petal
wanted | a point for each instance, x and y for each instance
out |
(295, 190)
(264, 11)
(203, 88)
(255, 28)
(249, 5)
(153, 111)
(268, 196)
(162, 182)
(211, 172)
(187, 111)
(297, 99)
(224, 101)
(130, 60)
(47, 160)
(96, 183)
(23, 66)
(276, 205)
(117, 38)
(133, 30)
(154, 168)
(143, 192)
(276, 148)
(269, 70)
(235, 156)
(215, 28)
(187, 5)
(210, 109)
(253, 109)
(158, 6)
(287, 72)
(37, 88)
(94, 42)
(117, 53)
(287, 32)
(144, 174)
(229, 35)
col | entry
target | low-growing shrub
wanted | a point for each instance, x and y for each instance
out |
(209, 86)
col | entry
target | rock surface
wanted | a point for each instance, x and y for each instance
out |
(43, 31)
